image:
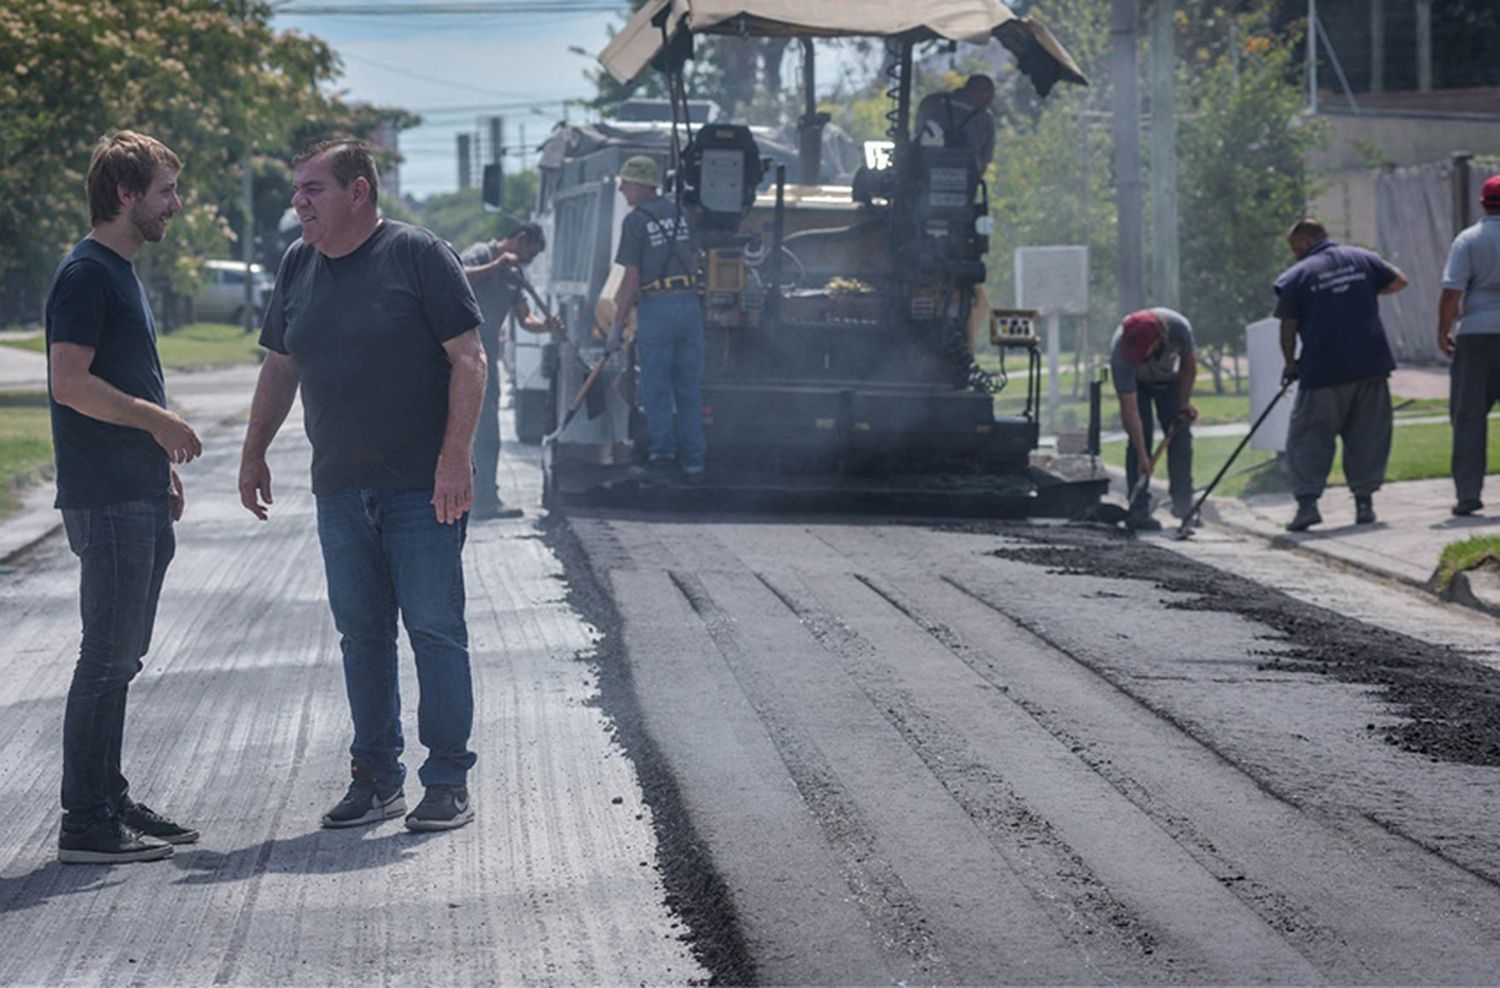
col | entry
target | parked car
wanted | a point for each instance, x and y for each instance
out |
(222, 295)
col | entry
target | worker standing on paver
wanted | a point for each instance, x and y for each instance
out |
(1329, 300)
(1471, 297)
(116, 446)
(376, 323)
(493, 268)
(1153, 360)
(656, 251)
(961, 118)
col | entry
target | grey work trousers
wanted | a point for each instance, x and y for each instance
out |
(1359, 412)
(1473, 389)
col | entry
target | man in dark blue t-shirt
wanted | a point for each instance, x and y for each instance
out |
(1329, 301)
(116, 445)
(375, 323)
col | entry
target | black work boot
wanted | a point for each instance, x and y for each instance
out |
(1364, 510)
(1467, 506)
(1307, 515)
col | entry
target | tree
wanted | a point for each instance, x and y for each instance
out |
(1241, 145)
(461, 219)
(210, 79)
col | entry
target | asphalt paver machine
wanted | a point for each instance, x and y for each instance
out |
(842, 321)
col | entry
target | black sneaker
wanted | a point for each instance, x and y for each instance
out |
(1467, 506)
(1307, 516)
(367, 801)
(109, 841)
(1142, 523)
(142, 818)
(1364, 510)
(441, 808)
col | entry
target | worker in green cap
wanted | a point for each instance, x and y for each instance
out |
(656, 251)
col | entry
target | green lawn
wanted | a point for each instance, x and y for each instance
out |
(1213, 409)
(193, 347)
(1460, 557)
(1418, 452)
(25, 441)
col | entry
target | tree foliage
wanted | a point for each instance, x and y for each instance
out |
(461, 219)
(209, 78)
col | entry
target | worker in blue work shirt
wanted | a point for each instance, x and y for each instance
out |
(656, 251)
(1329, 300)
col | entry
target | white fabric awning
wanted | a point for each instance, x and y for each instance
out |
(628, 54)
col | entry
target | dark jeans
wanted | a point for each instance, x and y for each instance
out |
(124, 550)
(487, 436)
(1474, 387)
(385, 554)
(669, 344)
(1163, 402)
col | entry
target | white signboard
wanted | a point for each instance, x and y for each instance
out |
(1263, 346)
(1053, 280)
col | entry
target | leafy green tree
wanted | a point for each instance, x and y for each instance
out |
(1241, 144)
(461, 219)
(209, 78)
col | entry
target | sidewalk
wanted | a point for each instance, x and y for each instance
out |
(1413, 526)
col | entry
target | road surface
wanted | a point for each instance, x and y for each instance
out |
(792, 750)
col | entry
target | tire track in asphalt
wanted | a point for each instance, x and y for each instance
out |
(879, 889)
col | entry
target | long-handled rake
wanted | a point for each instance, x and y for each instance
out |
(1185, 530)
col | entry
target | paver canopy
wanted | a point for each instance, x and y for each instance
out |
(1039, 54)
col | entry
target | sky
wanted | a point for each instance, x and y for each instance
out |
(455, 69)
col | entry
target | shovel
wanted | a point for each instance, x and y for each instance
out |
(1113, 514)
(578, 399)
(1185, 530)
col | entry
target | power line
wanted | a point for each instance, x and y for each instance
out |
(427, 78)
(427, 9)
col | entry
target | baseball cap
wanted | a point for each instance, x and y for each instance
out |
(641, 170)
(1490, 196)
(1139, 333)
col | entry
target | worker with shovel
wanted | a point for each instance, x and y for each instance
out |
(1153, 363)
(656, 251)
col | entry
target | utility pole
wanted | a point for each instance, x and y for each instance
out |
(1312, 56)
(1165, 281)
(247, 242)
(1377, 46)
(1424, 45)
(497, 151)
(1124, 22)
(465, 163)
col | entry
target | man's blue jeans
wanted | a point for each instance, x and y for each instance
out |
(1167, 399)
(669, 344)
(123, 550)
(386, 554)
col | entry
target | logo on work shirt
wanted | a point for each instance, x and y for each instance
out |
(659, 231)
(1336, 281)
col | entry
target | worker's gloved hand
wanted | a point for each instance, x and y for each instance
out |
(1290, 372)
(616, 338)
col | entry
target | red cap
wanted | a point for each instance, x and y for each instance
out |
(1490, 196)
(1140, 331)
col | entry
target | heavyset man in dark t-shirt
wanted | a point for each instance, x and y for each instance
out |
(376, 323)
(1328, 300)
(116, 445)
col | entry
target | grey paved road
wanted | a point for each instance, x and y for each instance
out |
(238, 725)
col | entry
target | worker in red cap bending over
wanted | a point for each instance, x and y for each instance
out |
(1152, 361)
